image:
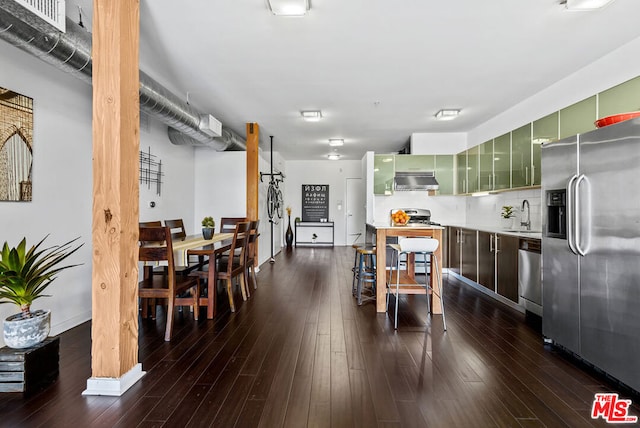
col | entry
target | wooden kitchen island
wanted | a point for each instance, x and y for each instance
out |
(380, 232)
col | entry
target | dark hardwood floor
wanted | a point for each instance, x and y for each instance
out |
(300, 352)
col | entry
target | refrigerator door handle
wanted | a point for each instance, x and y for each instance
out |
(570, 214)
(578, 215)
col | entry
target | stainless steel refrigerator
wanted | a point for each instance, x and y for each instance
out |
(591, 248)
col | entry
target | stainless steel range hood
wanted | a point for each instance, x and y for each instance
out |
(415, 181)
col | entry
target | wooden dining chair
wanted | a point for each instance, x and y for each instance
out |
(252, 255)
(228, 224)
(230, 267)
(177, 229)
(178, 233)
(156, 223)
(156, 246)
(146, 303)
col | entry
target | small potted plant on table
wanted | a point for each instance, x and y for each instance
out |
(24, 276)
(208, 224)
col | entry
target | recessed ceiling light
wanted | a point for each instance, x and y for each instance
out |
(311, 115)
(288, 7)
(336, 142)
(334, 156)
(586, 4)
(447, 114)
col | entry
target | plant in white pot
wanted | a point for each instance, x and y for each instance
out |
(24, 276)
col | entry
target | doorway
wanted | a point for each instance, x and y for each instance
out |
(355, 211)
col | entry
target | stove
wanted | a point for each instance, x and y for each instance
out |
(417, 217)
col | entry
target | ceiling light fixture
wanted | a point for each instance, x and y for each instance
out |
(311, 115)
(288, 7)
(334, 156)
(447, 114)
(586, 4)
(336, 142)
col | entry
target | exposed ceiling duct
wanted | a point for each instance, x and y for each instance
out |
(71, 52)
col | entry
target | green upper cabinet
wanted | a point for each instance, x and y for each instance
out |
(461, 173)
(521, 157)
(473, 169)
(486, 166)
(415, 163)
(383, 172)
(578, 118)
(620, 99)
(502, 162)
(544, 130)
(444, 174)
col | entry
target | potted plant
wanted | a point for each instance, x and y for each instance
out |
(508, 214)
(208, 224)
(24, 276)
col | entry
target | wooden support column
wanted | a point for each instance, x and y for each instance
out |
(116, 145)
(253, 138)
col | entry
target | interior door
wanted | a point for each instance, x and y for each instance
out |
(355, 211)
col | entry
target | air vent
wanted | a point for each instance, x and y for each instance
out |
(52, 11)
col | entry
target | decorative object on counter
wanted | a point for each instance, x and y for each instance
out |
(288, 236)
(208, 225)
(24, 276)
(400, 218)
(508, 216)
(314, 238)
(610, 120)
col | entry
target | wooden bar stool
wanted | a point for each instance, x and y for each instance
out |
(366, 271)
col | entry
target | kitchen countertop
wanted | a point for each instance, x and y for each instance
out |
(533, 234)
(385, 225)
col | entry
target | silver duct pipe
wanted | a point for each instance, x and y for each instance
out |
(71, 52)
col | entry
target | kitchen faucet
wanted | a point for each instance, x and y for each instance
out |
(527, 223)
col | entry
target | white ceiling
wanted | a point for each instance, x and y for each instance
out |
(378, 69)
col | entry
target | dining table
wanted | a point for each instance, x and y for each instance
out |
(196, 245)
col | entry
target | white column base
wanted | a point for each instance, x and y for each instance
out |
(114, 386)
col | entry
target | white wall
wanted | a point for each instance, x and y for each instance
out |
(62, 185)
(429, 143)
(617, 67)
(220, 185)
(333, 173)
(62, 180)
(176, 199)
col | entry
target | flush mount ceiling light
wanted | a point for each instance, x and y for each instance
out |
(336, 142)
(288, 7)
(586, 4)
(311, 115)
(333, 156)
(447, 114)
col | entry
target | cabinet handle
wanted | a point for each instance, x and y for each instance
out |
(533, 174)
(497, 244)
(491, 243)
(526, 175)
(489, 183)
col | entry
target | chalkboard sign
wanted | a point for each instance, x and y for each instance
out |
(315, 202)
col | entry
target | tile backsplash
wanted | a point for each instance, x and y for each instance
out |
(485, 210)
